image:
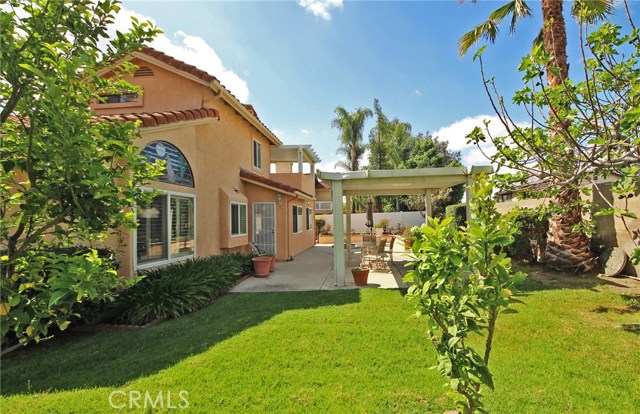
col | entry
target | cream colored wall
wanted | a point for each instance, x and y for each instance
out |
(287, 243)
(215, 150)
(299, 242)
(300, 181)
(323, 194)
(614, 231)
(507, 206)
(165, 91)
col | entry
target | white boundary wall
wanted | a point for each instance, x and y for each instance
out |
(358, 220)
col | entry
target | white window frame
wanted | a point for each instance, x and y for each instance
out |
(169, 259)
(309, 216)
(297, 218)
(246, 219)
(256, 155)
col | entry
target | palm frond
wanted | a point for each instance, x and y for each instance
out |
(517, 9)
(539, 39)
(343, 164)
(487, 30)
(592, 11)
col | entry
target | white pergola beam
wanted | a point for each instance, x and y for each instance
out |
(390, 182)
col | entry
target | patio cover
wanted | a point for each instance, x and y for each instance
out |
(388, 182)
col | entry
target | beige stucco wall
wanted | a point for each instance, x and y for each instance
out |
(215, 150)
(614, 231)
(299, 242)
(166, 90)
(300, 181)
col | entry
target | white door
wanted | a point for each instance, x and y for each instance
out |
(264, 226)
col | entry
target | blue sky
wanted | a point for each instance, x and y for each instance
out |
(295, 61)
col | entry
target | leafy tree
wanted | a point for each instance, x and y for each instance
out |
(429, 152)
(591, 133)
(67, 178)
(462, 282)
(568, 245)
(379, 139)
(393, 146)
(351, 126)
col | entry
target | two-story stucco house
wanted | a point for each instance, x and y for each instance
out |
(218, 193)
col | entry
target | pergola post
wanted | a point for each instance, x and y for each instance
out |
(348, 225)
(469, 193)
(338, 233)
(300, 161)
(428, 211)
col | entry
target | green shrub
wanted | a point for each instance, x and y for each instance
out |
(47, 288)
(458, 212)
(107, 255)
(179, 288)
(530, 239)
(384, 225)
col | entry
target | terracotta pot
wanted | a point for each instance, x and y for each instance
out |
(261, 265)
(273, 264)
(408, 245)
(360, 276)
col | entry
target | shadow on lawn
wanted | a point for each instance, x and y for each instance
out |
(542, 278)
(110, 359)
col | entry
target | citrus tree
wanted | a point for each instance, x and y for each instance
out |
(66, 177)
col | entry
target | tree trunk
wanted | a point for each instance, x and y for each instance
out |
(554, 35)
(566, 249)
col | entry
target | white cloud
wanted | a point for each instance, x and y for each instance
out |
(320, 8)
(305, 131)
(417, 92)
(455, 134)
(190, 49)
(329, 166)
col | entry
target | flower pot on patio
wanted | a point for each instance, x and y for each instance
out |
(273, 262)
(360, 275)
(261, 265)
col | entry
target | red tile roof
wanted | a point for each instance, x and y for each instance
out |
(167, 117)
(321, 184)
(178, 64)
(199, 73)
(264, 180)
(251, 109)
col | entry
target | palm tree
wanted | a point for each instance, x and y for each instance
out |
(566, 249)
(351, 126)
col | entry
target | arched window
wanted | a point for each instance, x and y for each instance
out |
(177, 170)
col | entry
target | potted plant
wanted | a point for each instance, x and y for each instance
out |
(273, 261)
(261, 265)
(409, 238)
(360, 275)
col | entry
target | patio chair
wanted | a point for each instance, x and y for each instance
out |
(257, 250)
(368, 240)
(393, 239)
(375, 257)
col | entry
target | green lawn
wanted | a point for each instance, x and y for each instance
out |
(349, 351)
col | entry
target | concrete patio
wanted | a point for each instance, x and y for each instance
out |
(313, 270)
